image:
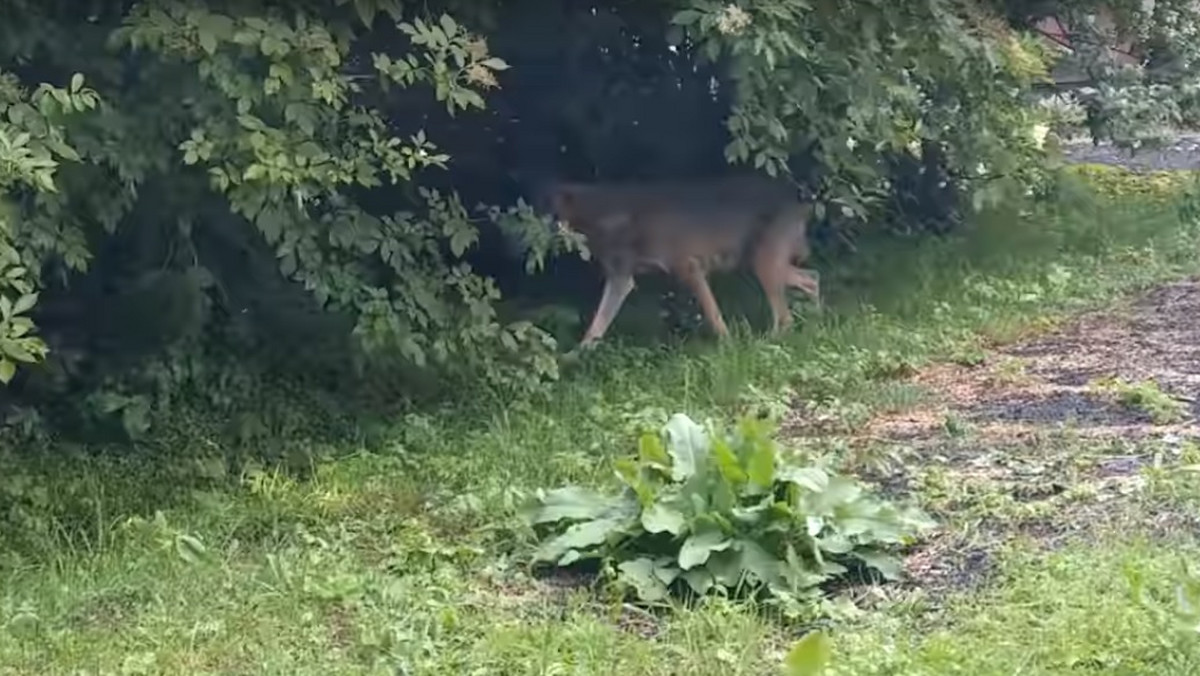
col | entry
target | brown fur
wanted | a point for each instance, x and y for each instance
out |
(690, 229)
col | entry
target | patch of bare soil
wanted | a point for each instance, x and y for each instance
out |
(1050, 382)
(1026, 444)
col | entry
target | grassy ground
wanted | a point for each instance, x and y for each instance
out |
(404, 556)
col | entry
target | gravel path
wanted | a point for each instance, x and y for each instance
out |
(1183, 153)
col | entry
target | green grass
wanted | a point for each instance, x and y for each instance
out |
(1066, 612)
(402, 549)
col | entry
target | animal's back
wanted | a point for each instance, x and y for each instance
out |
(661, 223)
(722, 220)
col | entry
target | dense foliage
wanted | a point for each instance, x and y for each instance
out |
(200, 196)
(729, 512)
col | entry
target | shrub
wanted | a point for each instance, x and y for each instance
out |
(703, 511)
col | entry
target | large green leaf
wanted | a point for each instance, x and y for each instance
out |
(760, 465)
(889, 566)
(652, 453)
(632, 475)
(571, 502)
(700, 580)
(697, 548)
(807, 478)
(835, 543)
(581, 536)
(728, 463)
(840, 490)
(688, 445)
(722, 499)
(799, 572)
(666, 570)
(725, 567)
(767, 567)
(640, 574)
(663, 518)
(754, 515)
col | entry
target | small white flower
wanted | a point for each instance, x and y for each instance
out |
(1039, 134)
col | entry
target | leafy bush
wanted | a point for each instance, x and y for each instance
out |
(1118, 182)
(704, 511)
(329, 194)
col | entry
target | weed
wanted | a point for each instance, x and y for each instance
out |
(1010, 371)
(969, 355)
(955, 426)
(713, 512)
(1145, 397)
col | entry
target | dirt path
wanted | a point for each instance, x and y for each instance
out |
(1057, 382)
(1031, 443)
(1182, 153)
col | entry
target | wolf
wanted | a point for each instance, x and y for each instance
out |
(690, 229)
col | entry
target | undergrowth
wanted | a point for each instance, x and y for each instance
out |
(396, 544)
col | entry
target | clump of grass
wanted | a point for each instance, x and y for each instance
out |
(1011, 371)
(1145, 397)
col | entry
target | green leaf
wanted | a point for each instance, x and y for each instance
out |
(835, 543)
(366, 11)
(840, 490)
(760, 468)
(700, 580)
(725, 567)
(753, 515)
(652, 452)
(688, 446)
(799, 572)
(640, 574)
(727, 462)
(496, 63)
(580, 536)
(662, 518)
(808, 478)
(76, 82)
(461, 239)
(190, 549)
(761, 563)
(699, 546)
(448, 25)
(8, 369)
(666, 570)
(571, 502)
(632, 476)
(809, 656)
(889, 566)
(25, 303)
(722, 499)
(208, 42)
